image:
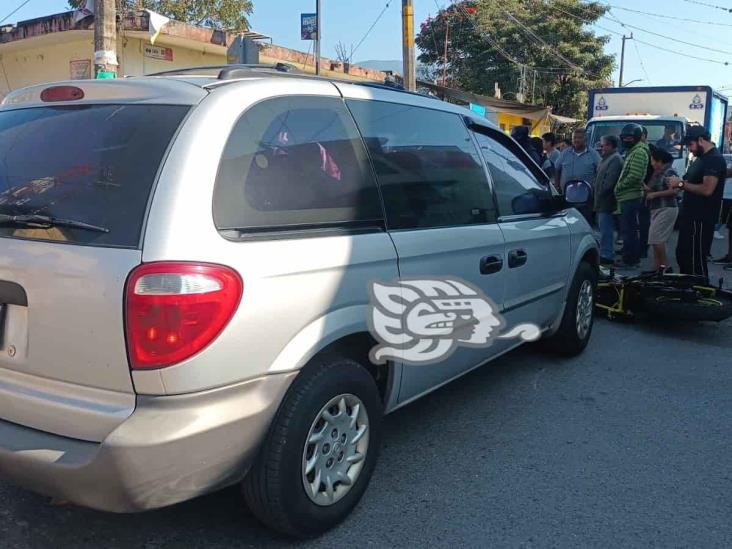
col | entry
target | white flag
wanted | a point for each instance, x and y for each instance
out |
(156, 24)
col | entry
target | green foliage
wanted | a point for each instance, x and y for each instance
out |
(489, 41)
(221, 14)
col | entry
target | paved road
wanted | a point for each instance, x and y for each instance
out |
(628, 445)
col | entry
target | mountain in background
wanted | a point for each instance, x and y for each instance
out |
(394, 66)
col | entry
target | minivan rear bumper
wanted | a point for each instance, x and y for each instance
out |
(169, 450)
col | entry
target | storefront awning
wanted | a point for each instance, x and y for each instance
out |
(532, 112)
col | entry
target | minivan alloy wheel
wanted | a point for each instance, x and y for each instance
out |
(585, 304)
(335, 449)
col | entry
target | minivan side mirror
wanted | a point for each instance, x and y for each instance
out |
(578, 193)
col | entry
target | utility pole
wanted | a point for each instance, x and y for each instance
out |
(317, 35)
(622, 58)
(105, 39)
(523, 85)
(410, 76)
(444, 62)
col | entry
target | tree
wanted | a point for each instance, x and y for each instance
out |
(229, 15)
(542, 48)
(343, 53)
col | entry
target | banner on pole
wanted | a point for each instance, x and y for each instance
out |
(309, 26)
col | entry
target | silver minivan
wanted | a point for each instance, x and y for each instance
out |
(188, 265)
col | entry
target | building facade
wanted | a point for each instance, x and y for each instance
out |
(60, 47)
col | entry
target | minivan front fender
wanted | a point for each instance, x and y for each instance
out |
(584, 247)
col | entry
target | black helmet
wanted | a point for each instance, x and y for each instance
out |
(631, 134)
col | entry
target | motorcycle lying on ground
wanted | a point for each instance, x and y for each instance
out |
(663, 296)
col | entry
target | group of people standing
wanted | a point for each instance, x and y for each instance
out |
(636, 192)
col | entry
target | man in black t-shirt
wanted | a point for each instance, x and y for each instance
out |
(703, 187)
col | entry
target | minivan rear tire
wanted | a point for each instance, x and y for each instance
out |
(274, 488)
(568, 339)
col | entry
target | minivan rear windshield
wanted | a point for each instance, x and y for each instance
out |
(91, 164)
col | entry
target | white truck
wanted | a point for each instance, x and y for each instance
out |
(664, 111)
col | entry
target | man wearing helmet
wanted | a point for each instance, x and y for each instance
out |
(629, 192)
(703, 187)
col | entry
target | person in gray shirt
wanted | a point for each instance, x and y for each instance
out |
(578, 162)
(662, 205)
(608, 173)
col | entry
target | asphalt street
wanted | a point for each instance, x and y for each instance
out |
(629, 445)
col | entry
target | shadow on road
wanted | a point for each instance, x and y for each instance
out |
(222, 519)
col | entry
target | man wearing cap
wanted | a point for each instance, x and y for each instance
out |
(629, 192)
(703, 187)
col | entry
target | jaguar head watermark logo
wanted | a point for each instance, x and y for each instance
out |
(422, 321)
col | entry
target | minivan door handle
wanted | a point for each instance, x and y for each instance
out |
(517, 258)
(490, 264)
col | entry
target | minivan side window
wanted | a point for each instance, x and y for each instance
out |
(518, 192)
(294, 162)
(428, 168)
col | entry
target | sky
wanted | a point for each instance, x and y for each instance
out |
(348, 21)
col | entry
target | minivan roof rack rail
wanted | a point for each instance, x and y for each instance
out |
(229, 72)
(237, 71)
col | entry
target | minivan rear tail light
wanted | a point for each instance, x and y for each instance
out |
(62, 93)
(174, 310)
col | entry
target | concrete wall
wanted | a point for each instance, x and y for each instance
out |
(133, 62)
(44, 63)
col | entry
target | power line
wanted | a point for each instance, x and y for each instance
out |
(641, 29)
(503, 53)
(643, 65)
(686, 29)
(544, 44)
(649, 44)
(635, 46)
(671, 17)
(16, 10)
(492, 42)
(371, 28)
(708, 5)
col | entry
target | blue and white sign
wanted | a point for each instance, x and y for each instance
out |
(601, 104)
(478, 109)
(309, 26)
(697, 103)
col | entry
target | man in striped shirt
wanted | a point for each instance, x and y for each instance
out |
(629, 192)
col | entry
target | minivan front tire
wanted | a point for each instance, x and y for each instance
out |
(320, 452)
(575, 329)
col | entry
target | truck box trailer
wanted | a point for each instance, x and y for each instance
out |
(665, 112)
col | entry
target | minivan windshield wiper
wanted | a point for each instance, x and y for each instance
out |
(47, 221)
